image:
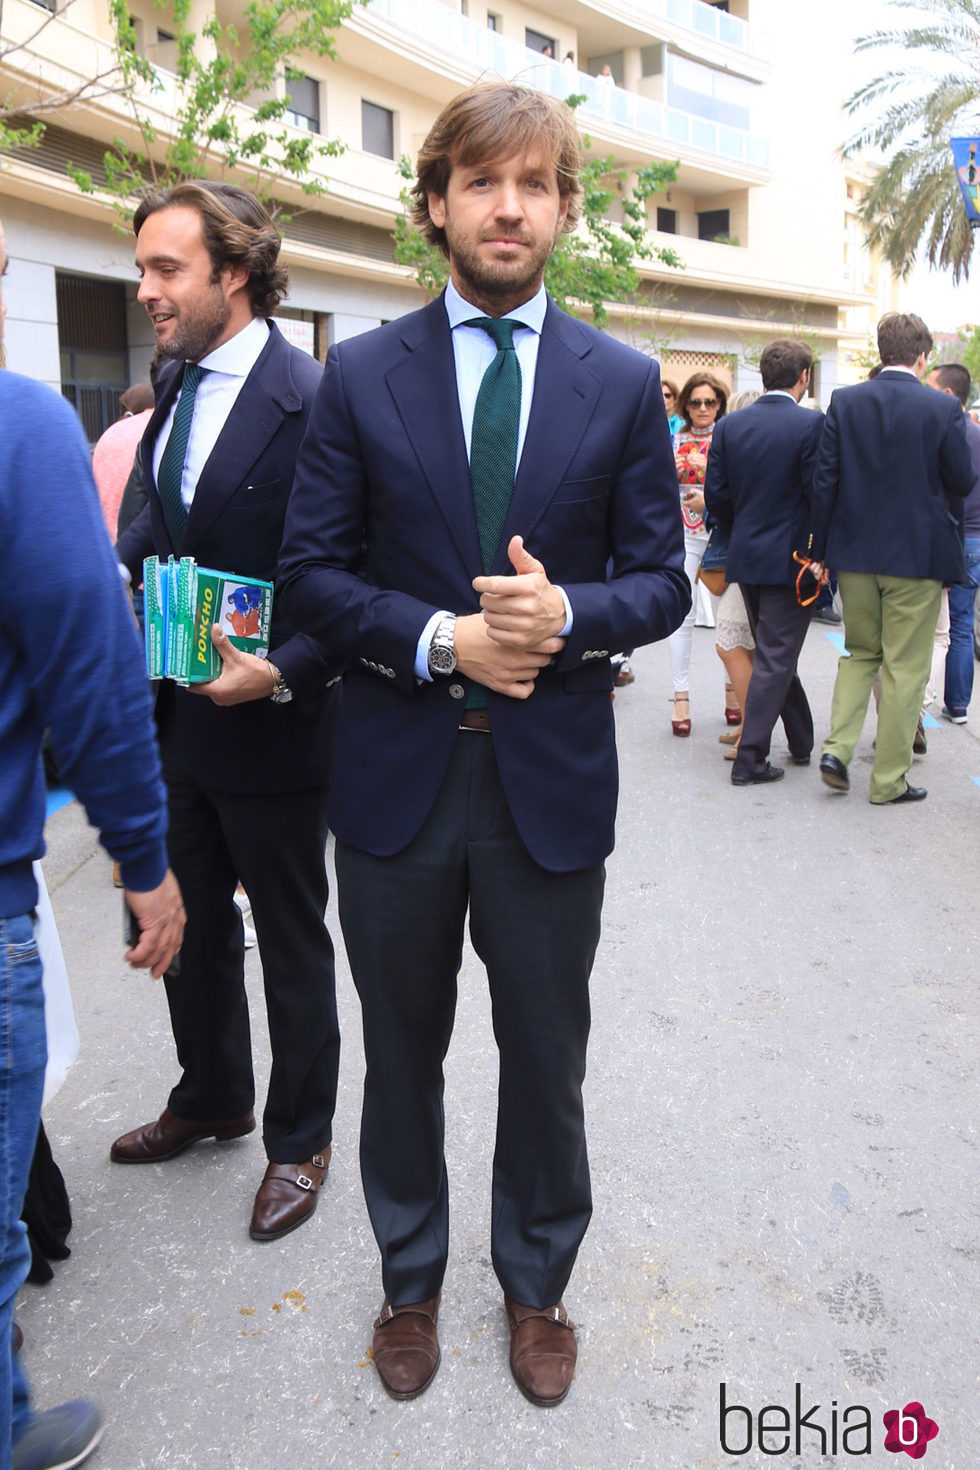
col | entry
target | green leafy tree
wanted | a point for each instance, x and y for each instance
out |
(969, 353)
(594, 266)
(22, 118)
(908, 112)
(215, 126)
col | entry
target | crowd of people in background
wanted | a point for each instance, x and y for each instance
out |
(763, 488)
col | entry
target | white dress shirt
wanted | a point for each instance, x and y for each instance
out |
(227, 368)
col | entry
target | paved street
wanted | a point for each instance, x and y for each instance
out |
(781, 1104)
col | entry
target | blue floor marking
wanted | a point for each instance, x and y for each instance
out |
(929, 722)
(837, 639)
(58, 797)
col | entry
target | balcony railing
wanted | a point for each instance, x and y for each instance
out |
(457, 38)
(707, 21)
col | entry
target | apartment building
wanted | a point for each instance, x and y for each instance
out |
(755, 213)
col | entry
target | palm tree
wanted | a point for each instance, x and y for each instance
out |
(929, 94)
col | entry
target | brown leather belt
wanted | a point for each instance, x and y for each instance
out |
(475, 719)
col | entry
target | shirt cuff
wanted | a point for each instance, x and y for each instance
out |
(424, 643)
(569, 619)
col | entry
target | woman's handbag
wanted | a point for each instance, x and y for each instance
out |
(712, 569)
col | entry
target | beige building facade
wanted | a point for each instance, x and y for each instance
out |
(758, 213)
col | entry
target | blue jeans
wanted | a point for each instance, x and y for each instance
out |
(23, 1054)
(960, 658)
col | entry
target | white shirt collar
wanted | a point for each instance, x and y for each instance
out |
(530, 314)
(900, 367)
(238, 356)
(781, 393)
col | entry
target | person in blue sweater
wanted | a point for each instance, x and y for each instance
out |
(70, 663)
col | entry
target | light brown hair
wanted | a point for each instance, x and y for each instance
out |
(490, 121)
(902, 338)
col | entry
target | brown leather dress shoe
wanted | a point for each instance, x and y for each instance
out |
(405, 1347)
(542, 1352)
(170, 1135)
(287, 1196)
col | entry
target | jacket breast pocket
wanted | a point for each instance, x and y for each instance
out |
(250, 495)
(582, 492)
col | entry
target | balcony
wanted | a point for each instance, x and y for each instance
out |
(443, 37)
(707, 21)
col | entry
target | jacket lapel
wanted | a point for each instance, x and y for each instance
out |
(267, 395)
(566, 392)
(423, 387)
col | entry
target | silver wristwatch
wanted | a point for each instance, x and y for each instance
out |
(281, 692)
(442, 650)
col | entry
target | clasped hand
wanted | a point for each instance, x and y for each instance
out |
(516, 635)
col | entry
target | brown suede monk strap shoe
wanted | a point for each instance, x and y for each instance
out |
(287, 1196)
(542, 1352)
(170, 1135)
(406, 1347)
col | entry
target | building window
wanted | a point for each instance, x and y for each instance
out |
(93, 346)
(493, 21)
(377, 130)
(535, 41)
(667, 221)
(304, 103)
(714, 223)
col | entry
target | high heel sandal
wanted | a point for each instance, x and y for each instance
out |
(682, 726)
(733, 715)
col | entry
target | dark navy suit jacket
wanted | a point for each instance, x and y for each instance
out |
(892, 472)
(758, 485)
(381, 533)
(235, 524)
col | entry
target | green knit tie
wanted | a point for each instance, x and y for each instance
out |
(493, 444)
(172, 464)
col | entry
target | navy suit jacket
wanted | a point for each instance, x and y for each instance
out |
(235, 525)
(758, 485)
(381, 533)
(892, 472)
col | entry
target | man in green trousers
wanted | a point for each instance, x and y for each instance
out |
(892, 471)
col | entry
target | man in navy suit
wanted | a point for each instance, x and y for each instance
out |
(758, 485)
(475, 761)
(892, 472)
(245, 756)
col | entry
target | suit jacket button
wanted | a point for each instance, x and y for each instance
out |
(457, 691)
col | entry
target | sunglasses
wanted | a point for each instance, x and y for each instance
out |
(701, 402)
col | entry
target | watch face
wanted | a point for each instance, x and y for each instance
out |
(442, 660)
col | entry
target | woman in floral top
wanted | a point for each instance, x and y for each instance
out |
(702, 401)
